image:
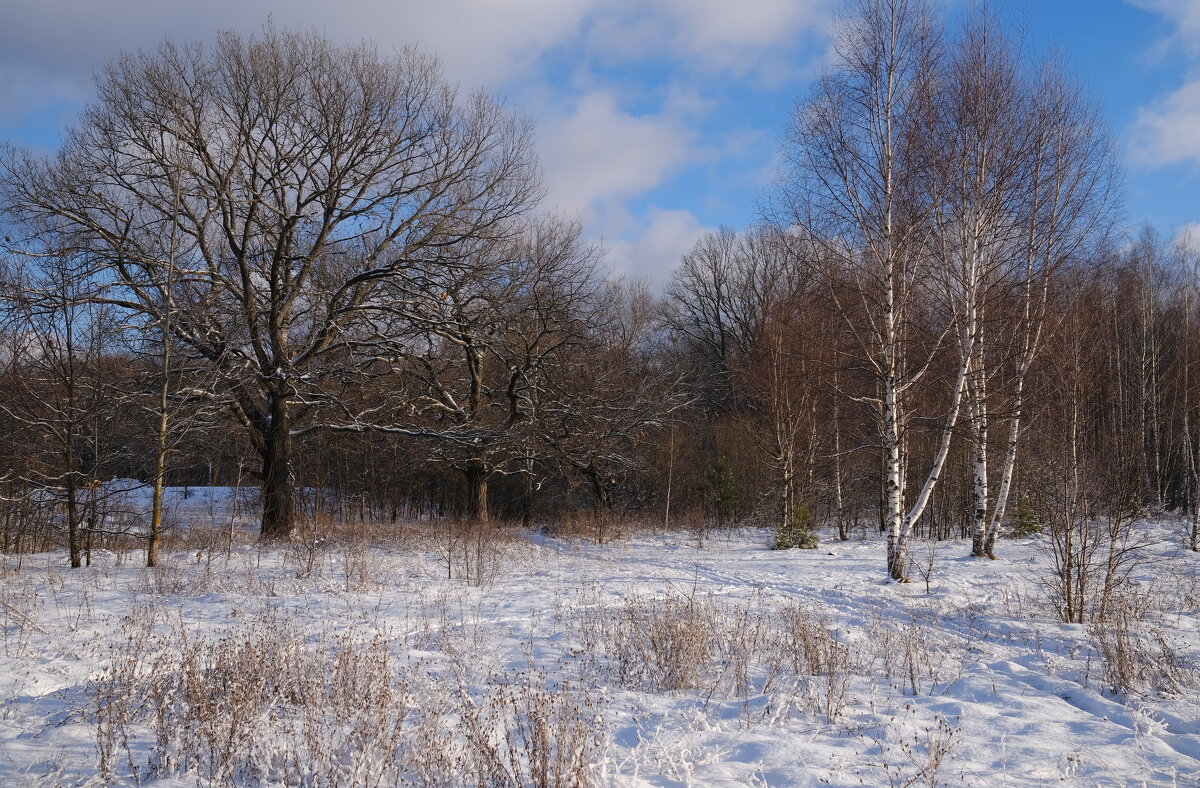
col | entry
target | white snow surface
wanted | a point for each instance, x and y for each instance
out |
(1007, 694)
(130, 499)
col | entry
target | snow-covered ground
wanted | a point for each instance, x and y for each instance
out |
(649, 661)
(125, 504)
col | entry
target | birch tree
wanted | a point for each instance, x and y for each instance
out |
(865, 177)
(1070, 195)
(1186, 319)
(987, 141)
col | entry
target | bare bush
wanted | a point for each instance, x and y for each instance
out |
(255, 704)
(1095, 561)
(359, 568)
(551, 733)
(185, 574)
(19, 603)
(664, 643)
(477, 553)
(909, 653)
(815, 651)
(207, 540)
(601, 527)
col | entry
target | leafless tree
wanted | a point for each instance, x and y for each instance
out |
(1087, 501)
(610, 396)
(1189, 302)
(1067, 198)
(478, 349)
(64, 388)
(309, 176)
(866, 177)
(986, 134)
(718, 300)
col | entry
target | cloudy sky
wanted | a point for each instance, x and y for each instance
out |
(657, 119)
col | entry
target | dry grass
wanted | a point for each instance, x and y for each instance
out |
(1140, 658)
(449, 692)
(600, 527)
(909, 753)
(19, 604)
(473, 553)
(263, 704)
(780, 656)
(907, 653)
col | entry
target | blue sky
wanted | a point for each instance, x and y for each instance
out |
(657, 120)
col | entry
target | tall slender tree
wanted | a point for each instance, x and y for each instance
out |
(866, 178)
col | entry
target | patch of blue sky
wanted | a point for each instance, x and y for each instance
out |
(656, 121)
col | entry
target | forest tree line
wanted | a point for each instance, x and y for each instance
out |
(280, 262)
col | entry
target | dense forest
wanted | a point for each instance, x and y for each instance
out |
(277, 262)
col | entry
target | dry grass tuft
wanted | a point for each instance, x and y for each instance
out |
(262, 704)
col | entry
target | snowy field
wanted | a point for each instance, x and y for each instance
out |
(649, 661)
(124, 504)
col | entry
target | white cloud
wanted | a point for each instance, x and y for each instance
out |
(478, 40)
(1188, 238)
(598, 154)
(712, 25)
(1168, 132)
(654, 252)
(1184, 14)
(750, 37)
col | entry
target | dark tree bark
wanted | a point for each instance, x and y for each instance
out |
(278, 490)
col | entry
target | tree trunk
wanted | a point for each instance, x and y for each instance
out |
(982, 540)
(670, 478)
(1010, 461)
(839, 498)
(477, 492)
(160, 467)
(602, 503)
(90, 530)
(74, 537)
(277, 491)
(156, 506)
(1192, 479)
(897, 539)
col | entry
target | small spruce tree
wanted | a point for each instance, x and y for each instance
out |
(1025, 520)
(717, 490)
(798, 532)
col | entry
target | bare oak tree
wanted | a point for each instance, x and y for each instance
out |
(478, 348)
(287, 179)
